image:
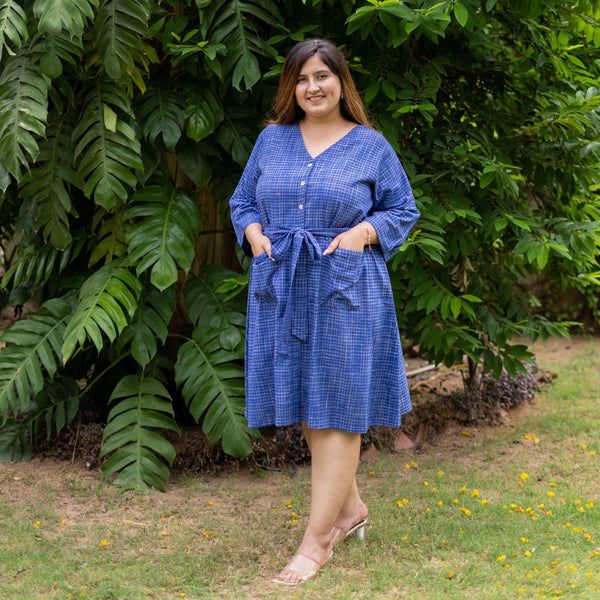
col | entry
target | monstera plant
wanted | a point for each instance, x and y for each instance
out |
(124, 125)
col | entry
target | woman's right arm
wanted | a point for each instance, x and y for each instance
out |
(245, 215)
(258, 241)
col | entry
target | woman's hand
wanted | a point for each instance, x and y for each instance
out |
(354, 239)
(258, 241)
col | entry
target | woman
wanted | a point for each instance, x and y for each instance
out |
(322, 204)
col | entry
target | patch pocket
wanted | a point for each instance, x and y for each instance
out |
(262, 271)
(341, 277)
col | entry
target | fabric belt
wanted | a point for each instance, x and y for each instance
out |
(284, 239)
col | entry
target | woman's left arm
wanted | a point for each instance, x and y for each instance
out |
(393, 215)
(356, 238)
(394, 209)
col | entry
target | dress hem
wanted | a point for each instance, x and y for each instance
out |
(272, 423)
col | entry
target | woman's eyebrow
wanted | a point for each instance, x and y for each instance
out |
(315, 72)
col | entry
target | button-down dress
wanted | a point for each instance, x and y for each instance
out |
(322, 343)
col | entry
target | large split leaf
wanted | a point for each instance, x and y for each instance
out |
(161, 115)
(212, 380)
(32, 354)
(163, 238)
(47, 186)
(208, 306)
(120, 27)
(23, 111)
(107, 302)
(149, 324)
(140, 406)
(231, 23)
(107, 150)
(55, 15)
(13, 26)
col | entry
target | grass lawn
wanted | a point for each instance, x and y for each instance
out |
(510, 512)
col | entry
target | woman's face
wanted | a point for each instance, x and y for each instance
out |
(318, 90)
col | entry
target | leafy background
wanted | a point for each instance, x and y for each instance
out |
(124, 126)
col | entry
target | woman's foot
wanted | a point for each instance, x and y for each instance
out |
(305, 564)
(300, 569)
(347, 525)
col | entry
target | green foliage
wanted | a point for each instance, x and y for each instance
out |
(54, 407)
(119, 29)
(107, 149)
(151, 322)
(13, 26)
(55, 15)
(32, 355)
(23, 110)
(108, 300)
(38, 265)
(209, 365)
(161, 114)
(124, 125)
(233, 24)
(46, 187)
(164, 236)
(144, 405)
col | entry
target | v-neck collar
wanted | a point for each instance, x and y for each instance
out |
(328, 147)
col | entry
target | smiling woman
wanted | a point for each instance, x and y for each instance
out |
(322, 204)
(318, 91)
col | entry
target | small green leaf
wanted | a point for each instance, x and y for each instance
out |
(110, 118)
(461, 14)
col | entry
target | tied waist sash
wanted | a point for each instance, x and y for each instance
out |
(292, 240)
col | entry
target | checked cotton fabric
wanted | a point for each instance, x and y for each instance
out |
(322, 343)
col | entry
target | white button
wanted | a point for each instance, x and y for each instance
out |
(300, 206)
(310, 164)
(303, 183)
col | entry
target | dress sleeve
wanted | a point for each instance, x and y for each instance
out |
(394, 209)
(244, 209)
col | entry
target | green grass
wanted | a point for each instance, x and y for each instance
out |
(510, 512)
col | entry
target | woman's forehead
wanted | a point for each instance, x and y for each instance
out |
(313, 65)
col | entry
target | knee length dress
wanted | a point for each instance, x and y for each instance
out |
(322, 341)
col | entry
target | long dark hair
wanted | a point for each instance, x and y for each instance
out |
(286, 111)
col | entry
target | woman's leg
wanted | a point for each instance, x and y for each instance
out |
(353, 511)
(335, 457)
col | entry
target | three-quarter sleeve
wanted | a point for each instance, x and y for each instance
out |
(394, 209)
(244, 210)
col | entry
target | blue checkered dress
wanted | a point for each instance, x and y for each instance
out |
(322, 341)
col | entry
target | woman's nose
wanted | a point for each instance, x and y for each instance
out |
(312, 84)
